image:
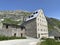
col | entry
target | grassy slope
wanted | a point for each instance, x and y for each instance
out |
(50, 42)
(7, 20)
(12, 21)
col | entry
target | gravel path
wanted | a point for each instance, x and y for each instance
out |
(20, 42)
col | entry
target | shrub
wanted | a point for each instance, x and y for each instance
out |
(50, 42)
(43, 38)
(10, 38)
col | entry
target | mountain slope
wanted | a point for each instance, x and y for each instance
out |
(17, 16)
(53, 23)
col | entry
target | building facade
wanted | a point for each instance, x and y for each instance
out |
(36, 25)
(12, 30)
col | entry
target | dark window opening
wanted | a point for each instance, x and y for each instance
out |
(38, 35)
(6, 26)
(21, 35)
(21, 28)
(33, 13)
(36, 12)
(32, 16)
(15, 34)
(29, 16)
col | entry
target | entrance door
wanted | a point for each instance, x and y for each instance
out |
(15, 34)
(38, 35)
(21, 35)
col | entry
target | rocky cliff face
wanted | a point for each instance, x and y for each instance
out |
(17, 14)
(53, 24)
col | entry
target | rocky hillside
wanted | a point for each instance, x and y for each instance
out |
(17, 16)
(53, 24)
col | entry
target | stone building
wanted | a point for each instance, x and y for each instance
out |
(12, 30)
(55, 34)
(36, 25)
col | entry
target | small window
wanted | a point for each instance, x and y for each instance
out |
(38, 19)
(6, 26)
(21, 34)
(40, 16)
(42, 13)
(44, 30)
(36, 12)
(15, 34)
(42, 20)
(38, 29)
(41, 29)
(38, 24)
(42, 33)
(21, 28)
(29, 16)
(32, 16)
(38, 35)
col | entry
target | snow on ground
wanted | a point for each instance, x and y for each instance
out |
(20, 42)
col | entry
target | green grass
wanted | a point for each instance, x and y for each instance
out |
(10, 21)
(10, 38)
(50, 42)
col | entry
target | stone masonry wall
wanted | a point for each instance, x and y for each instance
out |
(31, 28)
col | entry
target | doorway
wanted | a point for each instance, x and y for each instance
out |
(38, 35)
(21, 34)
(15, 34)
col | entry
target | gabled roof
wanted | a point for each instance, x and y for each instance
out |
(34, 15)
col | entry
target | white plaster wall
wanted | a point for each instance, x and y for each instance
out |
(41, 24)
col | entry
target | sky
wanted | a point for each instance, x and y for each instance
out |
(51, 7)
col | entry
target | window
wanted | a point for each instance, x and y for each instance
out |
(44, 29)
(40, 15)
(41, 29)
(42, 20)
(22, 28)
(32, 16)
(38, 35)
(38, 19)
(29, 16)
(15, 34)
(46, 33)
(38, 24)
(42, 34)
(6, 26)
(21, 34)
(36, 12)
(38, 29)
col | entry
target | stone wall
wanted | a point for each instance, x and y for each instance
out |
(10, 31)
(31, 28)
